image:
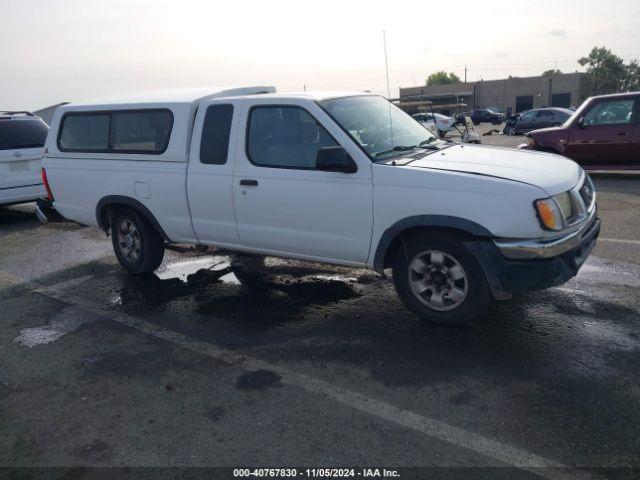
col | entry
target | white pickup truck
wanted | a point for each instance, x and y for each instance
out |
(339, 178)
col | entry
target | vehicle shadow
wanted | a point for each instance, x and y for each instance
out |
(16, 218)
(239, 288)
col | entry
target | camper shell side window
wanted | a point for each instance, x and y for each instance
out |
(145, 131)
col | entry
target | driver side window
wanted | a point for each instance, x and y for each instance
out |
(285, 137)
(612, 112)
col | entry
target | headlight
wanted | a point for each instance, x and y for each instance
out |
(564, 201)
(550, 214)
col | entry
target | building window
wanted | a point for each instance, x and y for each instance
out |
(561, 100)
(523, 103)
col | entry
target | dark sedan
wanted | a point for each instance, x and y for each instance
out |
(537, 118)
(481, 115)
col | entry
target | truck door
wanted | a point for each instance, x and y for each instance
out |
(605, 137)
(635, 151)
(283, 203)
(210, 173)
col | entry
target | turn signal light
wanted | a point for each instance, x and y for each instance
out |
(549, 214)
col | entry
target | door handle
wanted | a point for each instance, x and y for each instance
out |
(249, 183)
(623, 134)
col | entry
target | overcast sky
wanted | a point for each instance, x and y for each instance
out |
(65, 50)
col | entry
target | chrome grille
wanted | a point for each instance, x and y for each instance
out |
(587, 192)
(583, 198)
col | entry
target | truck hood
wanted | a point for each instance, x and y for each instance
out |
(552, 173)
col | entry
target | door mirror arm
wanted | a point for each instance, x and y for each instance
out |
(335, 159)
(581, 124)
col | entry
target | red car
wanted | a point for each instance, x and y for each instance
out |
(604, 133)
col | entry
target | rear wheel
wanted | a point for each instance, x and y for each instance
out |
(440, 280)
(137, 245)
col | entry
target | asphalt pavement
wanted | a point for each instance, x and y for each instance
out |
(223, 361)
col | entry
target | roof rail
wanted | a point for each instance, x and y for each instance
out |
(20, 112)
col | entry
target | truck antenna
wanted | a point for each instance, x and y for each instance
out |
(386, 62)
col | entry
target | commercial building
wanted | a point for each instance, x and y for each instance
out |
(509, 95)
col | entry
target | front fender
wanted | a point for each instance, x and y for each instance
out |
(433, 221)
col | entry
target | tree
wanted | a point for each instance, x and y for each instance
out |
(607, 70)
(442, 78)
(549, 73)
(631, 82)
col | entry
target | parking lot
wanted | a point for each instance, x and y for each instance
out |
(492, 135)
(211, 362)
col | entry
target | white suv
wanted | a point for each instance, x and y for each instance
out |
(340, 178)
(22, 137)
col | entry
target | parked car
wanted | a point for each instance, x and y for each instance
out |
(603, 133)
(441, 126)
(293, 175)
(22, 137)
(535, 119)
(510, 122)
(482, 115)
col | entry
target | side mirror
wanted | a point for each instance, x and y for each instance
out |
(581, 124)
(335, 159)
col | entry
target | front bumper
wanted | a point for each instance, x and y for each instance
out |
(535, 249)
(530, 266)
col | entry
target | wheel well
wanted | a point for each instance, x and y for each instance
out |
(107, 210)
(401, 237)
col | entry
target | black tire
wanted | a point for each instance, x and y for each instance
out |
(477, 298)
(148, 247)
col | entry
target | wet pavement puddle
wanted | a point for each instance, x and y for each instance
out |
(183, 269)
(64, 322)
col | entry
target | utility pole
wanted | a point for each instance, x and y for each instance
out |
(465, 74)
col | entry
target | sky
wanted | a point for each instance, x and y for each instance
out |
(67, 50)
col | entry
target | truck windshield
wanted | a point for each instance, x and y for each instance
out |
(381, 128)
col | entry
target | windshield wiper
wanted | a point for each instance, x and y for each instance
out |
(425, 144)
(397, 148)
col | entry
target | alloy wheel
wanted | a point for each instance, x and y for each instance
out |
(129, 239)
(438, 280)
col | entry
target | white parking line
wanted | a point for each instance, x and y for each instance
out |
(619, 240)
(430, 427)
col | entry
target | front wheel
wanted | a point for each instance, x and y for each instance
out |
(440, 280)
(136, 243)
